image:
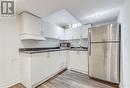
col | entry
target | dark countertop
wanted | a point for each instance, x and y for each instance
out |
(50, 49)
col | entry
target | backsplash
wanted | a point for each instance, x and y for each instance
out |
(77, 42)
(53, 43)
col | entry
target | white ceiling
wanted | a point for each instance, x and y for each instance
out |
(80, 9)
(101, 17)
(61, 18)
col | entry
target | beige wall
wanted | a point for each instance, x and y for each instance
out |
(9, 55)
(9, 50)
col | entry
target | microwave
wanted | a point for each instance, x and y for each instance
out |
(65, 45)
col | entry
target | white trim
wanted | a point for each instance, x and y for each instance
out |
(78, 71)
(6, 85)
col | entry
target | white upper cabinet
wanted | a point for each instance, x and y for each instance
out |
(52, 30)
(31, 27)
(58, 20)
(67, 34)
(84, 31)
(76, 33)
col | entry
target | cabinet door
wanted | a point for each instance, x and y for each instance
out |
(57, 61)
(73, 60)
(83, 66)
(63, 35)
(38, 67)
(52, 30)
(72, 34)
(53, 65)
(63, 58)
(76, 33)
(78, 61)
(25, 68)
(68, 34)
(43, 66)
(30, 24)
(84, 31)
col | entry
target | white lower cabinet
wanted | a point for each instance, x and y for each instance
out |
(78, 61)
(55, 62)
(39, 70)
(63, 58)
(39, 67)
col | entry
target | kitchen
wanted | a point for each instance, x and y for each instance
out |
(49, 47)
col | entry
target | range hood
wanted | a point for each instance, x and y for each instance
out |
(30, 27)
(31, 37)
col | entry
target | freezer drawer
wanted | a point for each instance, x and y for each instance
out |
(104, 61)
(105, 33)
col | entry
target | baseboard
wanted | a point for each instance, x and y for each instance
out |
(37, 84)
(78, 71)
(9, 84)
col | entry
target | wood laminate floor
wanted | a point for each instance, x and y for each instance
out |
(71, 79)
(19, 85)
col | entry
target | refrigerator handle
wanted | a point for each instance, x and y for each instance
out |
(89, 47)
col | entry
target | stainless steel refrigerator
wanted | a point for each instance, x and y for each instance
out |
(104, 52)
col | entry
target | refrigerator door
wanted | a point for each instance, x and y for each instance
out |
(105, 33)
(104, 61)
